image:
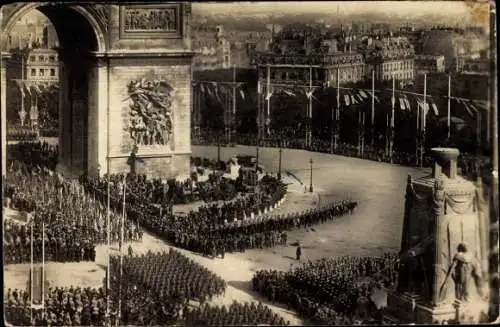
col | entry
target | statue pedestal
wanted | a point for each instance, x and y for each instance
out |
(400, 308)
(441, 314)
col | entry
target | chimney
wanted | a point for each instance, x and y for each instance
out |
(445, 161)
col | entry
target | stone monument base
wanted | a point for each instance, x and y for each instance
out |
(400, 308)
(406, 309)
(154, 165)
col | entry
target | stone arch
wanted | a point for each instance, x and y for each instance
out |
(14, 12)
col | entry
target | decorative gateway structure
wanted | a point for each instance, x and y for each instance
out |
(444, 250)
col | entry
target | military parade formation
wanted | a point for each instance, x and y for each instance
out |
(333, 291)
(70, 218)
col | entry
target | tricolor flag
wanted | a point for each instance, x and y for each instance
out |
(435, 109)
(259, 89)
(202, 88)
(466, 107)
(309, 93)
(402, 104)
(288, 92)
(407, 103)
(27, 88)
(21, 87)
(242, 94)
(269, 95)
(363, 94)
(353, 100)
(360, 97)
(347, 99)
(374, 96)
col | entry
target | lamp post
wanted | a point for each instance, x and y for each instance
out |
(311, 176)
(279, 162)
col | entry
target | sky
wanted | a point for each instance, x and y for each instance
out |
(453, 8)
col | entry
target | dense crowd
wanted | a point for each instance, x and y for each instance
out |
(35, 155)
(24, 134)
(241, 314)
(165, 193)
(74, 221)
(331, 291)
(170, 274)
(155, 290)
(468, 163)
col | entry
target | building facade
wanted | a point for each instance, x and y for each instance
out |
(429, 64)
(42, 65)
(390, 57)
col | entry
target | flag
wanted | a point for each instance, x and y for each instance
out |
(27, 88)
(363, 94)
(202, 88)
(435, 109)
(309, 93)
(353, 99)
(347, 99)
(259, 89)
(288, 92)
(393, 101)
(423, 105)
(360, 97)
(374, 96)
(242, 94)
(407, 103)
(21, 88)
(269, 95)
(402, 104)
(466, 107)
(37, 88)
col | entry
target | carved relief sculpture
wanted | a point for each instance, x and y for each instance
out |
(152, 21)
(150, 113)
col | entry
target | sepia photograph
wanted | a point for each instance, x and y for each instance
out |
(272, 163)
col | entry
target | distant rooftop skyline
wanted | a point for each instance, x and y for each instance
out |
(451, 8)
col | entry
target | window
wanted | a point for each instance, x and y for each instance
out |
(41, 58)
(41, 72)
(32, 58)
(33, 72)
(283, 75)
(52, 72)
(52, 58)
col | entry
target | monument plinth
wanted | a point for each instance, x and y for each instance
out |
(443, 252)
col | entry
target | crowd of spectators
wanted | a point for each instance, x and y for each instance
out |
(331, 291)
(469, 164)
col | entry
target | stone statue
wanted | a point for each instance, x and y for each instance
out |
(461, 269)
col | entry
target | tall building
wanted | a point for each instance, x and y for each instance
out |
(390, 57)
(42, 65)
(299, 54)
(429, 64)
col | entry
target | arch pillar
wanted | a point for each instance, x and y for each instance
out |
(3, 106)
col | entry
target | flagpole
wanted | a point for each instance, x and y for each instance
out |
(373, 110)
(122, 225)
(449, 106)
(22, 93)
(268, 99)
(309, 113)
(43, 266)
(363, 135)
(391, 144)
(337, 111)
(424, 115)
(234, 103)
(31, 275)
(259, 111)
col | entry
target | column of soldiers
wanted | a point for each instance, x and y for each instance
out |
(236, 314)
(24, 135)
(35, 155)
(330, 290)
(74, 222)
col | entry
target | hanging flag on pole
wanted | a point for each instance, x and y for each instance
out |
(21, 87)
(402, 103)
(347, 99)
(269, 95)
(242, 94)
(288, 92)
(466, 107)
(353, 100)
(363, 94)
(435, 109)
(407, 103)
(374, 96)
